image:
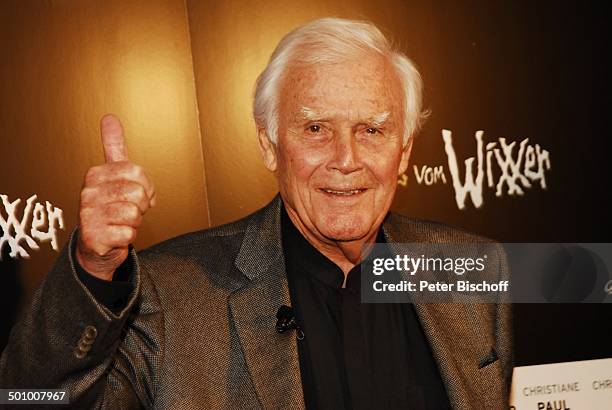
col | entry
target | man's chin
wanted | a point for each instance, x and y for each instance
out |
(347, 232)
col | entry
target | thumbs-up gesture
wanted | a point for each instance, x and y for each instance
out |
(114, 198)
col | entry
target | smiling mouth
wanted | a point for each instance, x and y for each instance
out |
(343, 192)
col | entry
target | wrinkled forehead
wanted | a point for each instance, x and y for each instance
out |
(365, 86)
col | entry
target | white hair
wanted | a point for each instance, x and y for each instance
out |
(330, 40)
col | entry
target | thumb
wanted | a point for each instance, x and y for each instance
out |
(112, 139)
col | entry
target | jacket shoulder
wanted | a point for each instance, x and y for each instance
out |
(185, 244)
(408, 229)
(206, 255)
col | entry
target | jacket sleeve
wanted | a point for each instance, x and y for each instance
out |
(113, 294)
(67, 340)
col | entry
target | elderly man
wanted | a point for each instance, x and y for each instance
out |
(265, 312)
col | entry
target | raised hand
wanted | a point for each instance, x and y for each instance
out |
(114, 198)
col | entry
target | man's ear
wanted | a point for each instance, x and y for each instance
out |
(405, 156)
(267, 149)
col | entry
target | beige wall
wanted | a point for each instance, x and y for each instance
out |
(64, 64)
(180, 74)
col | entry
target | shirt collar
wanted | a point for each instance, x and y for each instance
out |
(303, 258)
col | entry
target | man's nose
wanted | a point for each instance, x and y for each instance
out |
(345, 156)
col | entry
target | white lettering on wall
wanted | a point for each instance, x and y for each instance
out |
(15, 231)
(429, 175)
(517, 166)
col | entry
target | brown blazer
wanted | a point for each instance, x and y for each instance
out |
(199, 329)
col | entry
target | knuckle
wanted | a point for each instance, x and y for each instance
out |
(87, 194)
(138, 171)
(91, 175)
(117, 235)
(140, 192)
(85, 215)
(127, 234)
(132, 211)
(117, 189)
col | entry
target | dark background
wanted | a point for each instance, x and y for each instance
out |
(537, 70)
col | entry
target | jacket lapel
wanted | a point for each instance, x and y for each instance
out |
(459, 334)
(272, 358)
(460, 337)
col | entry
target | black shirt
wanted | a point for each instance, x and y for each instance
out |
(355, 355)
(114, 295)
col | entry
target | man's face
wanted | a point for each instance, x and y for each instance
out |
(340, 146)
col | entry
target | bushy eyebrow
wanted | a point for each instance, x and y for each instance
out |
(375, 120)
(379, 119)
(310, 114)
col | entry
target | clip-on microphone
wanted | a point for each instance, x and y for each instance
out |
(286, 321)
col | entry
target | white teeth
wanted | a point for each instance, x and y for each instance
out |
(346, 193)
